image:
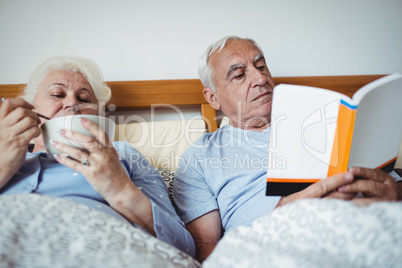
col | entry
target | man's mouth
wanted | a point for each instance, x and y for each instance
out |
(262, 95)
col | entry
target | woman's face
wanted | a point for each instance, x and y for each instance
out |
(64, 93)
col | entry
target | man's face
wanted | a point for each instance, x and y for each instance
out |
(244, 84)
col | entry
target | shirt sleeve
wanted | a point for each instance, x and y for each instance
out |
(396, 174)
(191, 193)
(167, 224)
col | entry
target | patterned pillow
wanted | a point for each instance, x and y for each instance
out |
(168, 178)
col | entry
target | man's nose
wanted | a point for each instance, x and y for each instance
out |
(258, 78)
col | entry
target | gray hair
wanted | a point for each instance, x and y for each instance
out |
(205, 70)
(89, 69)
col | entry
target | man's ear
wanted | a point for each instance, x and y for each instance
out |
(211, 98)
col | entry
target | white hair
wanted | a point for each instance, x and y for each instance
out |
(89, 69)
(205, 70)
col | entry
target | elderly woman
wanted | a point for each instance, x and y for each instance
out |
(112, 182)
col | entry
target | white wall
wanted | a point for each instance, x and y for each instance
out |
(163, 39)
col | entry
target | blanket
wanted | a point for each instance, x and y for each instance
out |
(44, 231)
(316, 233)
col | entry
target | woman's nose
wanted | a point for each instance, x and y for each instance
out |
(70, 103)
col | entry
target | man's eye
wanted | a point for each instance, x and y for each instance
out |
(239, 76)
(261, 68)
(57, 96)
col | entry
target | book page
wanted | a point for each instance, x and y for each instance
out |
(378, 125)
(302, 131)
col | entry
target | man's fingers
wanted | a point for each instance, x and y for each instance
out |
(368, 173)
(339, 195)
(368, 187)
(371, 188)
(328, 185)
(320, 189)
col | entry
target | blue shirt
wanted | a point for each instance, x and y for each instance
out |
(225, 170)
(42, 174)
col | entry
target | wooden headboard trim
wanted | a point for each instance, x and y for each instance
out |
(139, 94)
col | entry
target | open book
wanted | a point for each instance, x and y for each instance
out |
(317, 133)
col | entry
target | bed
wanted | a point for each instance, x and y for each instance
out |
(41, 231)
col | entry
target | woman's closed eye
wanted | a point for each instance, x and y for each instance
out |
(83, 100)
(86, 98)
(57, 96)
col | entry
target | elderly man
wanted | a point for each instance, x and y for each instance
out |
(221, 180)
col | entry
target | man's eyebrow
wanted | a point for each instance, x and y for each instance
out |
(233, 68)
(259, 57)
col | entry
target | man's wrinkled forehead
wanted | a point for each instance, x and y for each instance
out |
(233, 46)
(237, 42)
(234, 54)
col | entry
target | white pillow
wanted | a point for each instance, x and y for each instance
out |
(225, 121)
(162, 143)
